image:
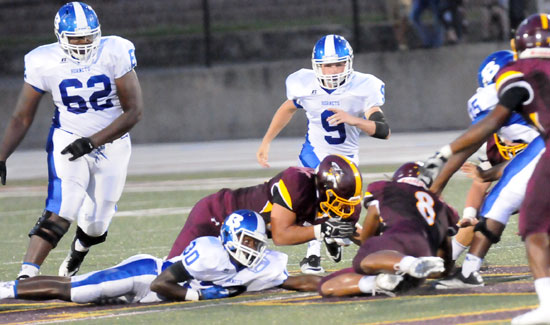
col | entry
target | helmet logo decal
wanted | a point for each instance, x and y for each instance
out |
(334, 174)
(234, 220)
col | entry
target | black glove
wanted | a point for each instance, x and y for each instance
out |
(336, 229)
(3, 172)
(79, 148)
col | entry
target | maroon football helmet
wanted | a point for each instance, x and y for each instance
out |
(339, 186)
(532, 38)
(412, 173)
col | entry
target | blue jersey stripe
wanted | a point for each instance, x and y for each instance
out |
(53, 202)
(135, 268)
(308, 156)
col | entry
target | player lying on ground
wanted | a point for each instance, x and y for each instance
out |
(413, 224)
(210, 267)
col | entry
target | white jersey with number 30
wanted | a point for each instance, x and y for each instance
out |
(85, 96)
(208, 262)
(356, 97)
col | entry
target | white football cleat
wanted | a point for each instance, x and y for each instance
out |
(423, 266)
(386, 283)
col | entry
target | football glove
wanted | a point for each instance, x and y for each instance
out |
(432, 167)
(334, 229)
(78, 148)
(334, 250)
(3, 172)
(218, 292)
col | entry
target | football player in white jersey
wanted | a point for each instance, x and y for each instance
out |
(210, 268)
(525, 147)
(97, 98)
(339, 103)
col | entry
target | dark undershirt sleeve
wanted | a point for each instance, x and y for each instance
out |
(513, 98)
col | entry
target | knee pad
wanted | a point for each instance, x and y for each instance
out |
(47, 229)
(88, 240)
(481, 226)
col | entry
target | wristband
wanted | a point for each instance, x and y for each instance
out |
(446, 151)
(469, 212)
(317, 232)
(191, 295)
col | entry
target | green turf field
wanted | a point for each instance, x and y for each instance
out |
(153, 210)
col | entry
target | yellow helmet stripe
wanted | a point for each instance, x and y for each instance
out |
(544, 21)
(506, 76)
(356, 174)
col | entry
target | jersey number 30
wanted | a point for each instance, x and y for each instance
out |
(77, 104)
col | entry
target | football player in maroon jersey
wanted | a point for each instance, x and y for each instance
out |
(414, 224)
(326, 198)
(524, 87)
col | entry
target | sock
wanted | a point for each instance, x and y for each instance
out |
(29, 269)
(314, 247)
(542, 287)
(7, 289)
(79, 247)
(367, 284)
(458, 249)
(471, 263)
(404, 264)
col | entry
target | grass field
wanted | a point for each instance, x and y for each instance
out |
(153, 210)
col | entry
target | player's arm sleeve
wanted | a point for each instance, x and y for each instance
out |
(513, 90)
(33, 76)
(375, 91)
(369, 199)
(270, 273)
(294, 88)
(281, 195)
(514, 97)
(125, 57)
(208, 261)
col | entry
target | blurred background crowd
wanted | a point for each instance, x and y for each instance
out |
(207, 32)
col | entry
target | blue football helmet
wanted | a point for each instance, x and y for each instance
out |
(235, 227)
(77, 19)
(491, 66)
(332, 49)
